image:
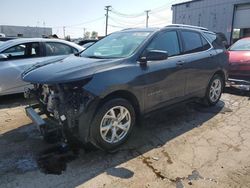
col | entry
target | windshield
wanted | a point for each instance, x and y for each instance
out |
(241, 45)
(116, 45)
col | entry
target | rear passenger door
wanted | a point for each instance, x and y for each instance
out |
(58, 49)
(198, 55)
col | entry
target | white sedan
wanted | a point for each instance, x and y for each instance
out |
(19, 54)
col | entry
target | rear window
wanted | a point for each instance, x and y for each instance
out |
(241, 45)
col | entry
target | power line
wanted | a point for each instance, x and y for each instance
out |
(126, 24)
(158, 9)
(82, 23)
(126, 15)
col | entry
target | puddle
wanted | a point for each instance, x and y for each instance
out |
(54, 160)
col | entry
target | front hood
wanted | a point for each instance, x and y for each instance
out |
(68, 69)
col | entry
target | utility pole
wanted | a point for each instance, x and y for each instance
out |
(63, 31)
(147, 17)
(107, 8)
(44, 33)
(84, 31)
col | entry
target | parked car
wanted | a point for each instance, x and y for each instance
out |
(239, 61)
(2, 35)
(86, 45)
(98, 96)
(19, 54)
(83, 42)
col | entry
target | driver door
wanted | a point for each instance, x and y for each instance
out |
(164, 79)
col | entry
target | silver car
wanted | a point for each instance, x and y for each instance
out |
(19, 54)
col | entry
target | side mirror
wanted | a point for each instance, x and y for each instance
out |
(3, 57)
(154, 55)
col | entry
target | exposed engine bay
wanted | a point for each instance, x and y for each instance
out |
(63, 104)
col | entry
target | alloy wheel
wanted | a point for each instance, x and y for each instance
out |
(215, 90)
(115, 124)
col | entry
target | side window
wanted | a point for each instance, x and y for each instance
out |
(34, 49)
(167, 41)
(26, 50)
(192, 42)
(54, 48)
(205, 44)
(214, 40)
(15, 51)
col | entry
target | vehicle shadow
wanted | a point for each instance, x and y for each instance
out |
(29, 152)
(15, 100)
(238, 92)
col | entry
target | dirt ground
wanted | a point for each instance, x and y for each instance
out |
(190, 146)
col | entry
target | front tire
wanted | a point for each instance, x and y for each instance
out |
(112, 124)
(214, 90)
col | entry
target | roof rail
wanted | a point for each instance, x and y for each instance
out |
(187, 26)
(130, 28)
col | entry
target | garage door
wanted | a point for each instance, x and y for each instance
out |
(241, 17)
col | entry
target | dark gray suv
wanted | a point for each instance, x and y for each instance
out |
(96, 96)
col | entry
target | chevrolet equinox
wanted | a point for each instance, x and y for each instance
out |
(97, 95)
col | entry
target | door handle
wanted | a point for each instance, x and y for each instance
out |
(180, 63)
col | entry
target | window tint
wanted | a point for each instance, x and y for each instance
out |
(26, 50)
(205, 44)
(35, 49)
(167, 41)
(53, 49)
(192, 42)
(214, 40)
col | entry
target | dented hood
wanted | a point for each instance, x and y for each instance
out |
(67, 69)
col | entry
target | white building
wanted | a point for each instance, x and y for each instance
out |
(231, 17)
(21, 31)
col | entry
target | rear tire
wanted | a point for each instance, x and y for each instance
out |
(214, 90)
(112, 124)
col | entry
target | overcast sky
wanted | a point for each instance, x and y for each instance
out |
(76, 15)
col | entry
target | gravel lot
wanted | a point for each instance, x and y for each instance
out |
(190, 146)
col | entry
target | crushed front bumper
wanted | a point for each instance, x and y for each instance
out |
(45, 127)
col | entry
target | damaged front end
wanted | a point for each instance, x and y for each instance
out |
(61, 108)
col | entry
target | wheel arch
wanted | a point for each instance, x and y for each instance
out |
(220, 73)
(129, 96)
